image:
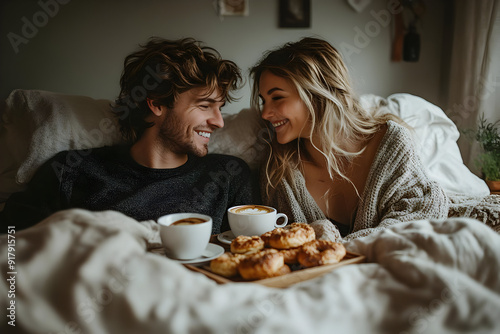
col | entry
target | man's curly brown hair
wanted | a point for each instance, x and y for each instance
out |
(161, 70)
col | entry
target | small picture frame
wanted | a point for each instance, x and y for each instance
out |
(295, 13)
(233, 7)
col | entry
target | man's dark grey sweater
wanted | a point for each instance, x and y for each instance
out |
(109, 179)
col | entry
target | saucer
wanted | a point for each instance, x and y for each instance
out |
(211, 252)
(226, 237)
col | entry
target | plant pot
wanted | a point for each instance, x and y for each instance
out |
(493, 185)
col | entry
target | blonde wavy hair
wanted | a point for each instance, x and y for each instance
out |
(321, 78)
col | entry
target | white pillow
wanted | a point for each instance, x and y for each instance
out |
(436, 137)
(35, 125)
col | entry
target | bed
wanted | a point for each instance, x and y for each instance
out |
(96, 272)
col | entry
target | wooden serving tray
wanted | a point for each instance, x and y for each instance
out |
(283, 281)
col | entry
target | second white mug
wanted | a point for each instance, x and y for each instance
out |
(253, 220)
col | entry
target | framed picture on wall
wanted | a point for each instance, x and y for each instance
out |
(295, 13)
(233, 7)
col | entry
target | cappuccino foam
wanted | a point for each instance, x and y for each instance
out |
(252, 210)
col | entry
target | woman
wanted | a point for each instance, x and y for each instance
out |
(331, 162)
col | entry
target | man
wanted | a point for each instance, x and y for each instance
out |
(170, 102)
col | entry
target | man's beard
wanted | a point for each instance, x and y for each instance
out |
(172, 135)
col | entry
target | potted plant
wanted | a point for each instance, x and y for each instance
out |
(488, 137)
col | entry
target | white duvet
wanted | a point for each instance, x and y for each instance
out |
(87, 272)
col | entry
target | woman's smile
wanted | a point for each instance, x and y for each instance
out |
(283, 108)
(278, 125)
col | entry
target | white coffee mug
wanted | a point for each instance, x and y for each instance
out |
(254, 219)
(187, 241)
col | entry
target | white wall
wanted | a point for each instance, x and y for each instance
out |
(80, 49)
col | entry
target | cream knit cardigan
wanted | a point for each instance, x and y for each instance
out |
(397, 190)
